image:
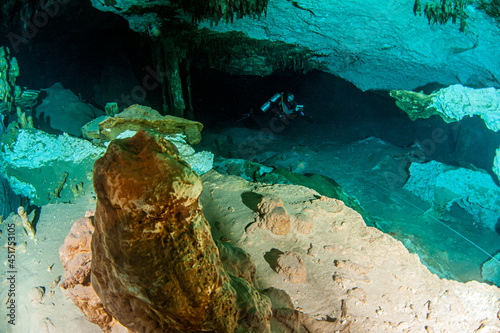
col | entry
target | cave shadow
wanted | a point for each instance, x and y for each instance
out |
(430, 87)
(272, 257)
(251, 200)
(43, 122)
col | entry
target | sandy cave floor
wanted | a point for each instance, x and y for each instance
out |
(41, 303)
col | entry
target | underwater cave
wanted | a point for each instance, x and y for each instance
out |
(305, 107)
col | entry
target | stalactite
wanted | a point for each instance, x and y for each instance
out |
(215, 10)
(173, 56)
(9, 72)
(170, 58)
(189, 109)
(160, 67)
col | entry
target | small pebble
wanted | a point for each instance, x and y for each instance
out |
(55, 282)
(37, 294)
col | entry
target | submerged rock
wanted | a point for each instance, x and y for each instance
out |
(63, 112)
(359, 279)
(155, 265)
(200, 162)
(248, 170)
(181, 132)
(496, 163)
(324, 185)
(443, 185)
(291, 267)
(9, 71)
(273, 215)
(490, 270)
(362, 41)
(48, 168)
(452, 104)
(9, 201)
(76, 255)
(137, 117)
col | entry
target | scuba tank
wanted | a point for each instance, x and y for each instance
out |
(267, 105)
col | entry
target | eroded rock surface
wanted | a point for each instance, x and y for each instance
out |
(47, 168)
(363, 41)
(490, 270)
(359, 279)
(443, 185)
(137, 117)
(76, 256)
(291, 267)
(155, 265)
(452, 104)
(63, 112)
(273, 215)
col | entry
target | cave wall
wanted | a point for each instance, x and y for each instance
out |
(93, 53)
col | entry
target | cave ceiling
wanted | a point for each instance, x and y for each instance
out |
(375, 45)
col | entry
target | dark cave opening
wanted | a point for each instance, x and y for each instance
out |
(341, 112)
(84, 49)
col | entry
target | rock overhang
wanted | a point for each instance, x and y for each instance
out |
(376, 46)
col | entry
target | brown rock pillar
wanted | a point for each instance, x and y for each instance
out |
(155, 265)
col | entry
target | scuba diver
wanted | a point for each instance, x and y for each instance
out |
(280, 106)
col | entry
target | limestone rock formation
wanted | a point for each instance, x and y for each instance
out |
(496, 163)
(90, 130)
(29, 227)
(287, 319)
(303, 223)
(9, 201)
(273, 215)
(63, 112)
(47, 168)
(291, 267)
(137, 117)
(248, 170)
(76, 256)
(444, 185)
(236, 262)
(415, 104)
(490, 270)
(356, 37)
(155, 265)
(359, 279)
(181, 132)
(200, 162)
(452, 104)
(14, 99)
(9, 71)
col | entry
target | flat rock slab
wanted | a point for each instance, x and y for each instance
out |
(137, 117)
(357, 275)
